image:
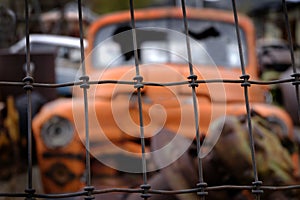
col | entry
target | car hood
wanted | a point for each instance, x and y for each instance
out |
(163, 82)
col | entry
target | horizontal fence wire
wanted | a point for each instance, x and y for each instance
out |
(145, 83)
(145, 190)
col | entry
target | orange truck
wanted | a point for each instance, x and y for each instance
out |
(113, 111)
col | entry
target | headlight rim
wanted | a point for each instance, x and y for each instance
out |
(52, 129)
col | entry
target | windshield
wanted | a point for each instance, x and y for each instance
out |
(163, 41)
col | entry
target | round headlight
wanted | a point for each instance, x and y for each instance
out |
(57, 132)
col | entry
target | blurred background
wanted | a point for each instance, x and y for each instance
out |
(50, 16)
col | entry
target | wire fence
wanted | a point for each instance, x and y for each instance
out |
(202, 189)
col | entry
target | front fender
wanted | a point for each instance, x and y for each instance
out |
(62, 169)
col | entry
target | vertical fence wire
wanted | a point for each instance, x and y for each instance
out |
(85, 86)
(291, 48)
(256, 184)
(139, 86)
(28, 80)
(192, 83)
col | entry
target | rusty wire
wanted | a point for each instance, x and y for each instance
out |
(192, 83)
(85, 86)
(28, 80)
(145, 190)
(296, 75)
(138, 86)
(256, 184)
